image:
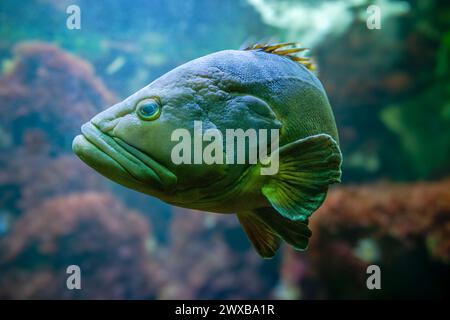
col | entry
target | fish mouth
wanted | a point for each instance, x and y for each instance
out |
(120, 161)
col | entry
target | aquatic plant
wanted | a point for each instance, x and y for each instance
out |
(388, 91)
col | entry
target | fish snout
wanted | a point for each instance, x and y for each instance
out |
(109, 118)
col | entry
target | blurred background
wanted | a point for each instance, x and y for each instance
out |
(390, 92)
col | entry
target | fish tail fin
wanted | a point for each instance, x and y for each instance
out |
(266, 227)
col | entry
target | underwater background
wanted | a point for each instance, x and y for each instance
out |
(390, 92)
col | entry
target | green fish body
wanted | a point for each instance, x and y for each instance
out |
(263, 87)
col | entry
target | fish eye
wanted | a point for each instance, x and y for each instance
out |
(148, 109)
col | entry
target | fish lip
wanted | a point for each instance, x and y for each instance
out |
(119, 151)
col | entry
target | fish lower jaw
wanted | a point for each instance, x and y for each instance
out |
(127, 161)
(109, 167)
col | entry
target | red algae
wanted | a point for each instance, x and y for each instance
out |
(403, 224)
(91, 230)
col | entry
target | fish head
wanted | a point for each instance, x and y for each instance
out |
(132, 142)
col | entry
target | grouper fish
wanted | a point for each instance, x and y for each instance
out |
(260, 87)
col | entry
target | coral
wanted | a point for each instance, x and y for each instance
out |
(63, 175)
(44, 99)
(401, 211)
(91, 230)
(210, 257)
(38, 177)
(50, 90)
(404, 228)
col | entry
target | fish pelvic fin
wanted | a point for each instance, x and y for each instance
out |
(294, 233)
(306, 168)
(265, 241)
(265, 229)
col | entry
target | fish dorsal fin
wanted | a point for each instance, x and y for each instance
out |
(306, 168)
(286, 49)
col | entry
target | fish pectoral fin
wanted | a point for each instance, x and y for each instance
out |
(306, 168)
(265, 241)
(295, 233)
